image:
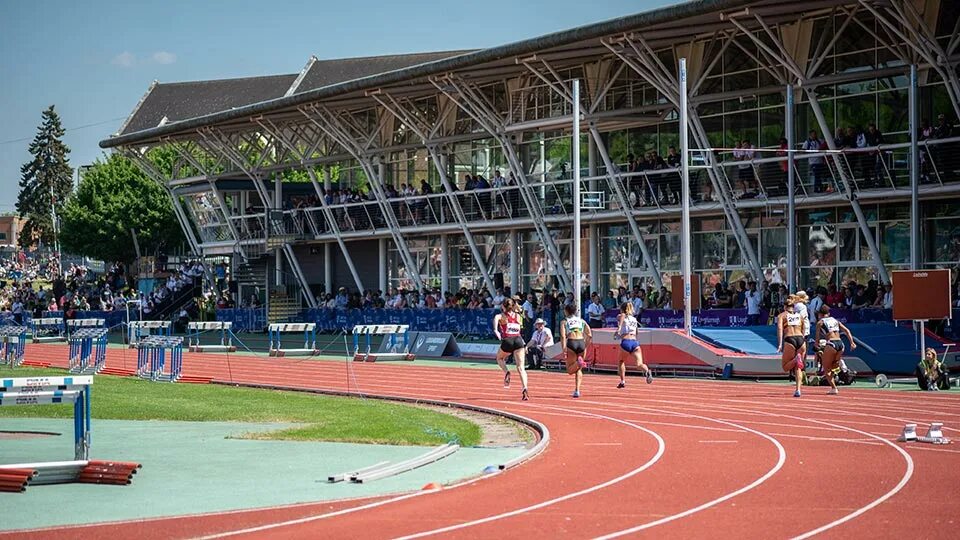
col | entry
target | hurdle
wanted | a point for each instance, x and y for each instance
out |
(140, 329)
(88, 350)
(13, 342)
(309, 339)
(49, 330)
(152, 358)
(197, 329)
(395, 351)
(76, 324)
(50, 390)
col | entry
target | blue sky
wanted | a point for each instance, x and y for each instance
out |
(94, 59)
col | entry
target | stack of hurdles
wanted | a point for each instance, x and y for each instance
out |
(16, 478)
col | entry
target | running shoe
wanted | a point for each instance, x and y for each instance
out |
(576, 393)
(506, 380)
(524, 396)
(580, 362)
(622, 384)
(796, 394)
(833, 392)
(649, 376)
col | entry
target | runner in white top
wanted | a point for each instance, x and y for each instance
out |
(629, 346)
(833, 349)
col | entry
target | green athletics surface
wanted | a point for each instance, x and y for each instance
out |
(327, 418)
(198, 467)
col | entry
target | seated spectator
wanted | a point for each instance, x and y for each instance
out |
(541, 339)
(834, 296)
(931, 373)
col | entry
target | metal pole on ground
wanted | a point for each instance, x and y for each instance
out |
(576, 195)
(685, 181)
(791, 193)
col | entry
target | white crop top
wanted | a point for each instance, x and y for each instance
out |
(628, 325)
(832, 325)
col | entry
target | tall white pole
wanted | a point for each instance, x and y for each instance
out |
(915, 188)
(791, 195)
(576, 195)
(685, 220)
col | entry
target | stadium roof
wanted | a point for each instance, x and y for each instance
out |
(679, 20)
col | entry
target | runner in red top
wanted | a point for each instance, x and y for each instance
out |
(507, 326)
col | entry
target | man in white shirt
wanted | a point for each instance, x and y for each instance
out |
(595, 312)
(541, 339)
(813, 309)
(498, 298)
(752, 298)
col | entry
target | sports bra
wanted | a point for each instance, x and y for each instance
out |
(509, 325)
(794, 319)
(573, 324)
(832, 325)
(628, 325)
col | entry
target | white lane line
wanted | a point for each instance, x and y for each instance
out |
(717, 442)
(782, 458)
(656, 457)
(603, 444)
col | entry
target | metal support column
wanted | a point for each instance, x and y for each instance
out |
(685, 237)
(791, 192)
(914, 171)
(868, 233)
(382, 264)
(616, 187)
(328, 284)
(575, 135)
(592, 162)
(514, 262)
(593, 258)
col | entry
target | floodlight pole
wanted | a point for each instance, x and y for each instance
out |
(576, 196)
(685, 194)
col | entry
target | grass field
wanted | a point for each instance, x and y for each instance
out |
(322, 418)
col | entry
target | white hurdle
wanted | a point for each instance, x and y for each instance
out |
(141, 329)
(48, 330)
(397, 349)
(196, 329)
(309, 331)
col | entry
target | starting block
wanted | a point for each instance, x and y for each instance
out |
(140, 329)
(309, 331)
(152, 358)
(934, 434)
(49, 330)
(197, 329)
(13, 342)
(398, 349)
(88, 350)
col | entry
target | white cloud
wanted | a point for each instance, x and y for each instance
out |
(125, 59)
(164, 57)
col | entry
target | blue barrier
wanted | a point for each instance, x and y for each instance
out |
(244, 319)
(13, 341)
(152, 358)
(88, 350)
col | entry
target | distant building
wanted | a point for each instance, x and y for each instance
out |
(10, 227)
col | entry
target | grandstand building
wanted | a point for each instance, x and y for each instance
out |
(352, 172)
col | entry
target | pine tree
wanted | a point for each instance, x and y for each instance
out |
(45, 182)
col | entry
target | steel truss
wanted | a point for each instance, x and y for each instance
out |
(636, 53)
(358, 142)
(472, 102)
(781, 55)
(407, 113)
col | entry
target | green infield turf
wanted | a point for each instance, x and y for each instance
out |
(319, 418)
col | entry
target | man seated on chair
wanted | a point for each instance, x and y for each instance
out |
(541, 339)
(931, 373)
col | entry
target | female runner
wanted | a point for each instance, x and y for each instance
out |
(575, 335)
(790, 337)
(629, 346)
(507, 327)
(833, 351)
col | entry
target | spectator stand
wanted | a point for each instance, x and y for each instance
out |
(152, 353)
(196, 330)
(13, 341)
(137, 330)
(308, 330)
(49, 330)
(392, 348)
(88, 350)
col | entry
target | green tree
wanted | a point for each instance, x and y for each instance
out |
(114, 198)
(45, 182)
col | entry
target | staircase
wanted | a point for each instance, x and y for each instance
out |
(283, 306)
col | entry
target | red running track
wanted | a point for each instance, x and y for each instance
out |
(676, 459)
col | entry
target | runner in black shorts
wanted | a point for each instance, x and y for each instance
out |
(575, 335)
(507, 326)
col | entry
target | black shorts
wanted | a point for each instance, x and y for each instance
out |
(510, 344)
(577, 346)
(796, 341)
(836, 344)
